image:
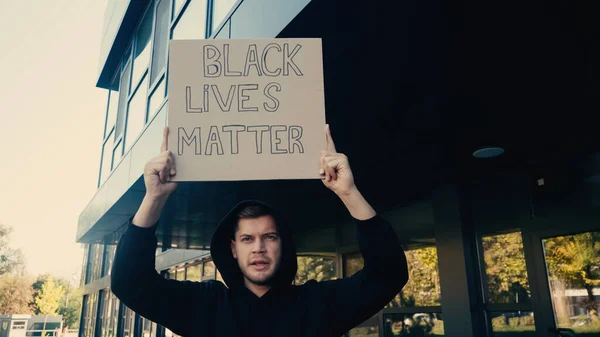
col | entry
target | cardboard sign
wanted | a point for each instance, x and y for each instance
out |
(246, 109)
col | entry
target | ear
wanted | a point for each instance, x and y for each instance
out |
(233, 249)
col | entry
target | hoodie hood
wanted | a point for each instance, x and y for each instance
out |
(220, 248)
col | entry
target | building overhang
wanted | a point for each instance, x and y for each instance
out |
(410, 94)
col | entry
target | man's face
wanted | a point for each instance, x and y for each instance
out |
(257, 248)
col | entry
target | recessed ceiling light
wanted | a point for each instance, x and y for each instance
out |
(488, 152)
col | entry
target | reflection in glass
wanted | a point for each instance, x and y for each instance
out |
(220, 10)
(94, 268)
(117, 154)
(209, 269)
(423, 287)
(161, 37)
(106, 159)
(141, 58)
(110, 313)
(320, 268)
(123, 96)
(156, 99)
(128, 322)
(573, 264)
(409, 325)
(177, 4)
(148, 328)
(193, 273)
(513, 324)
(192, 24)
(91, 313)
(505, 268)
(109, 255)
(136, 116)
(113, 105)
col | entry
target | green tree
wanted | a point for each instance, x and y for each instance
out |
(48, 298)
(11, 260)
(575, 260)
(505, 268)
(70, 307)
(15, 294)
(423, 287)
(318, 268)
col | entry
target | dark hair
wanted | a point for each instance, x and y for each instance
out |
(250, 212)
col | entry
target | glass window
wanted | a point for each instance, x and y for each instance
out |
(209, 269)
(194, 273)
(177, 4)
(86, 251)
(161, 38)
(110, 315)
(117, 154)
(320, 268)
(180, 274)
(505, 268)
(95, 263)
(148, 328)
(109, 256)
(113, 105)
(123, 96)
(573, 265)
(220, 10)
(106, 159)
(156, 99)
(91, 310)
(516, 323)
(128, 322)
(418, 324)
(141, 58)
(136, 116)
(192, 24)
(423, 287)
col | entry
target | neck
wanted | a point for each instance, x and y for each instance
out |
(258, 290)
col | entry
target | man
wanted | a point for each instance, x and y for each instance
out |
(254, 251)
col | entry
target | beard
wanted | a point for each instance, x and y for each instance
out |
(260, 279)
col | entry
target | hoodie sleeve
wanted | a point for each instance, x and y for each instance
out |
(176, 305)
(354, 299)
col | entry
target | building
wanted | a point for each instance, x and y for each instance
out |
(416, 93)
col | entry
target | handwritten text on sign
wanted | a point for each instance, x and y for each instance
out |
(246, 109)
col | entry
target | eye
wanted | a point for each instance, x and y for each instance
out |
(245, 239)
(272, 237)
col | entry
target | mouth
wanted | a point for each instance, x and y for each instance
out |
(259, 264)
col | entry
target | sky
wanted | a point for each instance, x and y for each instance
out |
(51, 124)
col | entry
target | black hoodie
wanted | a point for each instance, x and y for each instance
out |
(209, 308)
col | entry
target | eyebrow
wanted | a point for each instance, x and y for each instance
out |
(250, 235)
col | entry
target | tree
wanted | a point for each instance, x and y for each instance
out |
(320, 268)
(71, 310)
(11, 260)
(575, 261)
(48, 298)
(505, 268)
(423, 287)
(15, 294)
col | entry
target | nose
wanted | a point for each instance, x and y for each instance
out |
(259, 246)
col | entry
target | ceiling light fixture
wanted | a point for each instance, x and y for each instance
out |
(488, 152)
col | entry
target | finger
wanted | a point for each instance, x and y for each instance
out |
(324, 166)
(331, 171)
(173, 171)
(165, 141)
(330, 143)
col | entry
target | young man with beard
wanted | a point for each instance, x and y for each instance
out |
(254, 251)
